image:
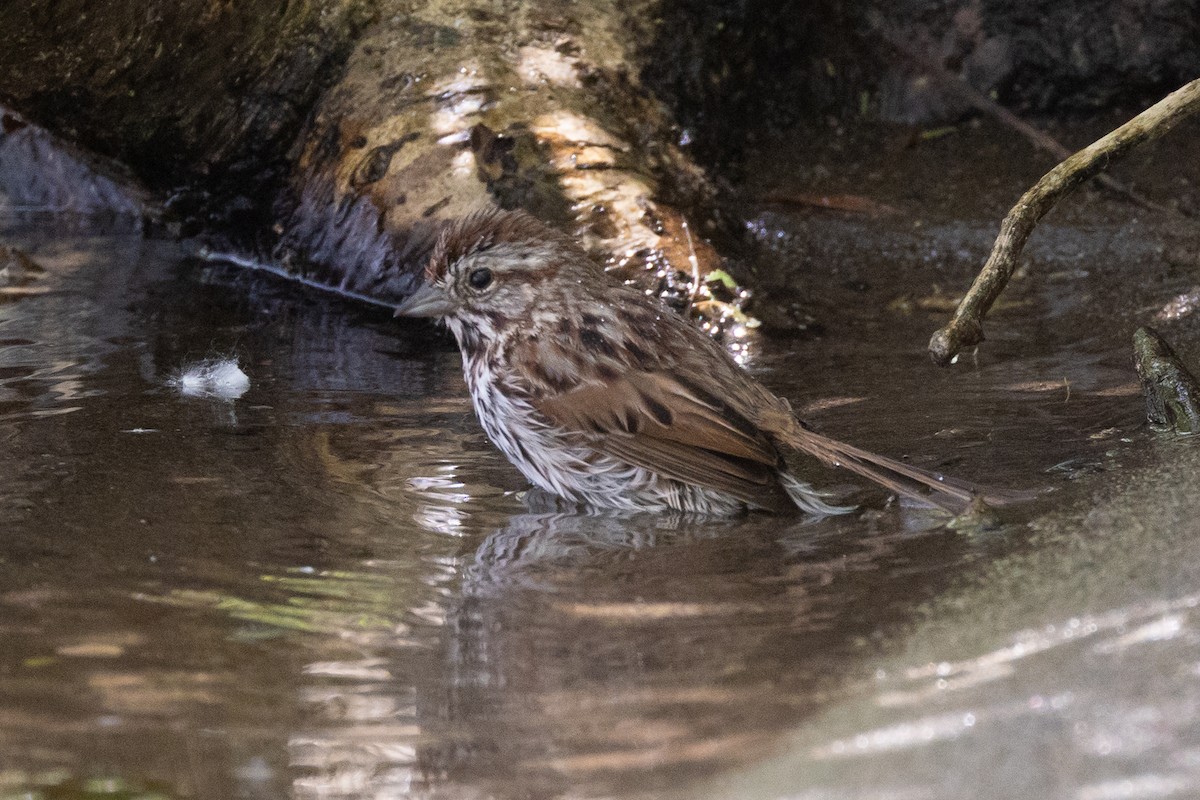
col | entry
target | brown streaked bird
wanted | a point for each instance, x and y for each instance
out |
(601, 395)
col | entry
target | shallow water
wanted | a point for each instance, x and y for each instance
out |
(332, 585)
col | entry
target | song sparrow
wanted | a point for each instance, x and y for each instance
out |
(600, 394)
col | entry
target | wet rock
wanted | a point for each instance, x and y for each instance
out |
(1171, 391)
(41, 172)
(965, 50)
(979, 517)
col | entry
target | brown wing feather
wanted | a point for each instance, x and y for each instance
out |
(748, 481)
(654, 421)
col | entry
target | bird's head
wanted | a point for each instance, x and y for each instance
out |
(496, 268)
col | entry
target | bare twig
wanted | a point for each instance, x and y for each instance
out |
(694, 263)
(966, 327)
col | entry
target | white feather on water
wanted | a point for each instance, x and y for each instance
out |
(221, 378)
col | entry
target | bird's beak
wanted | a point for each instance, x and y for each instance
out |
(427, 301)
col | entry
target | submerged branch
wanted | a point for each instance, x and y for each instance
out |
(966, 327)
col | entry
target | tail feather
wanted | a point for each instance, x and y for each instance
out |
(948, 493)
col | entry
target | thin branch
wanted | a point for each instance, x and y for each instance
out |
(966, 327)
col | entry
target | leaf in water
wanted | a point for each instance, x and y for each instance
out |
(723, 277)
(929, 134)
(648, 611)
(38, 661)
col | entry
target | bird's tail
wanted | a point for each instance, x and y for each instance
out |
(948, 493)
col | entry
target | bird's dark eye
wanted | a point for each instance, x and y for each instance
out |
(480, 278)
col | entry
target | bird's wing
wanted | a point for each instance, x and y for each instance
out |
(666, 424)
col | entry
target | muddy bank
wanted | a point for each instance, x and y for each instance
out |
(933, 207)
(748, 70)
(1072, 658)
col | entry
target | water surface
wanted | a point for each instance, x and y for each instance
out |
(332, 586)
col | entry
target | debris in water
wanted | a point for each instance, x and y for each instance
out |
(1180, 306)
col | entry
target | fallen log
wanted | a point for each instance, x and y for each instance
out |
(329, 140)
